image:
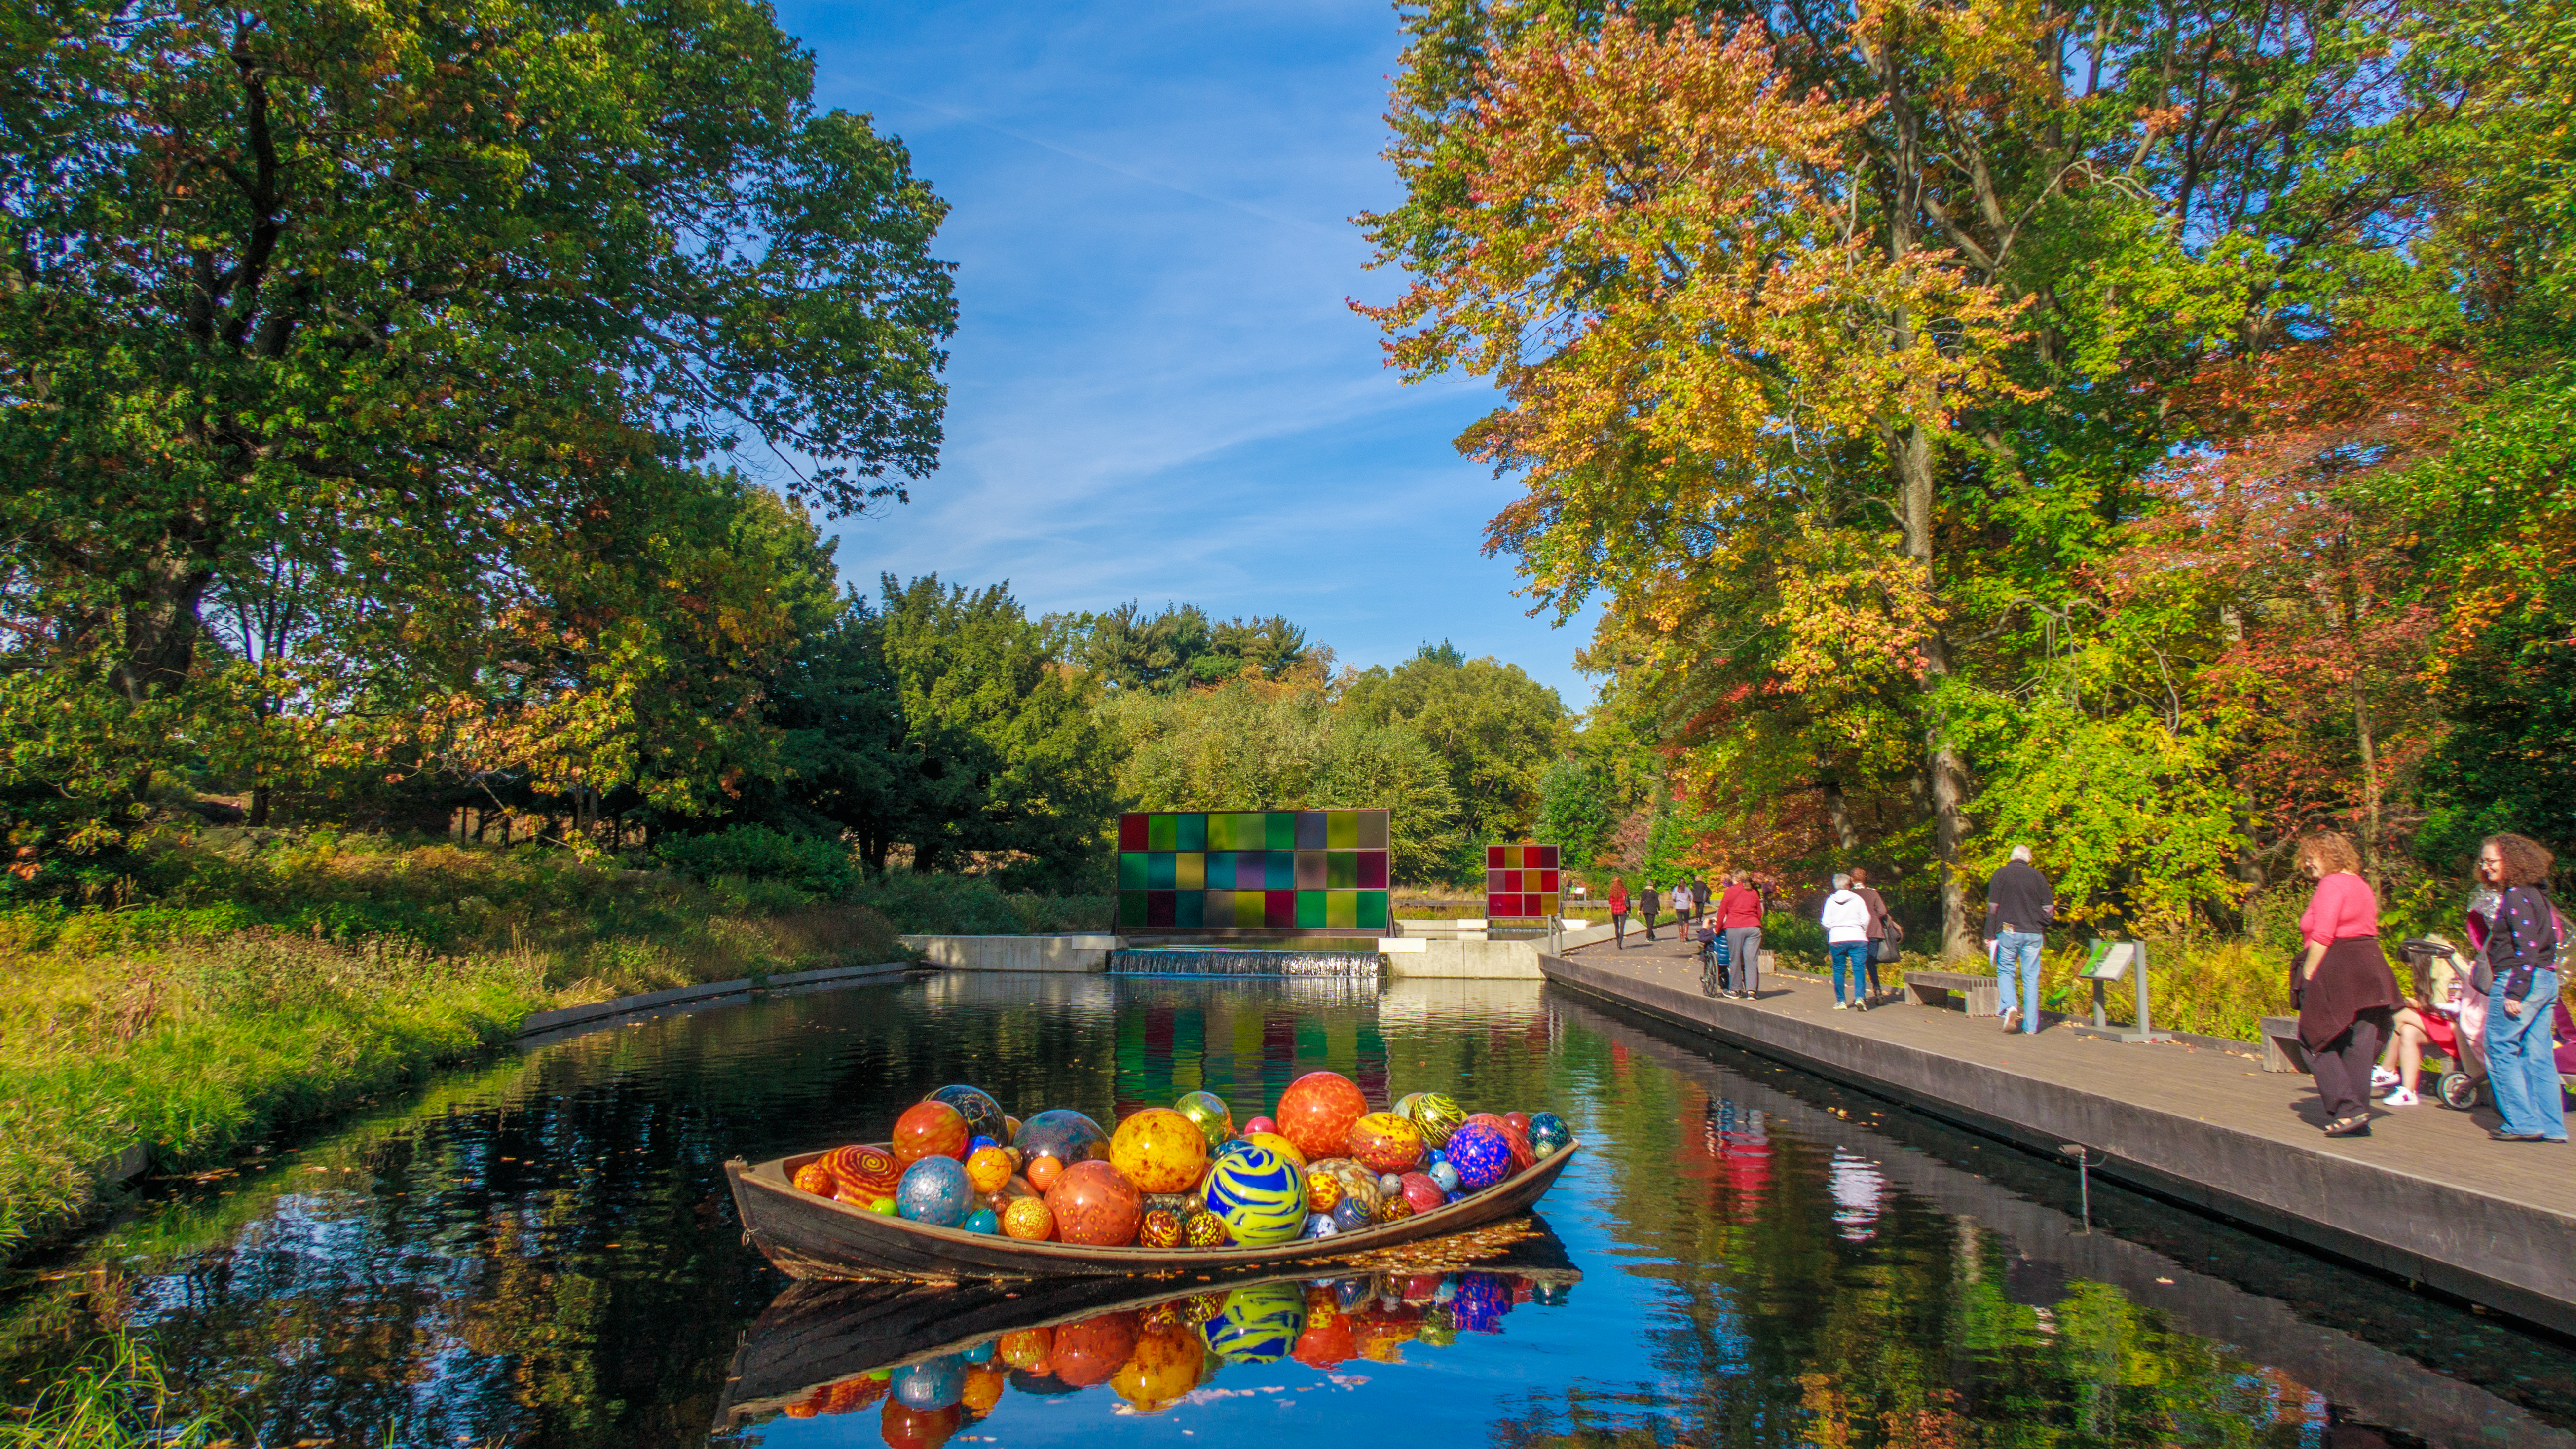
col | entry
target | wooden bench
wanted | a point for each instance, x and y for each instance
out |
(1976, 990)
(2282, 1049)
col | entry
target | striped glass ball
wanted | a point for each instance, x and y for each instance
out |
(1259, 1195)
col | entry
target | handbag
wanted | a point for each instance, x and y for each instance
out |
(1885, 951)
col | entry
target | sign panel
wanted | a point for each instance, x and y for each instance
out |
(1242, 872)
(1521, 882)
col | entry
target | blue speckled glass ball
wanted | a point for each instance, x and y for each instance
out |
(1447, 1176)
(1433, 1158)
(937, 1191)
(930, 1386)
(1482, 1155)
(1352, 1214)
(1457, 1197)
(980, 1353)
(978, 1143)
(1548, 1135)
(1483, 1299)
(1320, 1225)
(981, 1220)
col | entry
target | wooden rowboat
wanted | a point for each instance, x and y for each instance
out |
(816, 1334)
(806, 1236)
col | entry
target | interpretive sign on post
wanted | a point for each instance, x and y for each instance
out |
(1521, 882)
(2110, 961)
(1253, 873)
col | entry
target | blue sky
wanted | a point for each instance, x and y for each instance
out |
(1156, 389)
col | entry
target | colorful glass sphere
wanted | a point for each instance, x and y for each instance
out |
(1159, 1228)
(982, 1220)
(1258, 1324)
(983, 1115)
(866, 1172)
(1317, 1110)
(1065, 1135)
(989, 1168)
(905, 1427)
(883, 1207)
(1259, 1124)
(1215, 1118)
(1043, 1172)
(1403, 1106)
(1424, 1192)
(1517, 1121)
(935, 1190)
(1351, 1215)
(1384, 1142)
(1167, 1363)
(1259, 1195)
(1445, 1174)
(1395, 1209)
(817, 1179)
(1320, 1225)
(929, 1129)
(1029, 1219)
(1159, 1150)
(1522, 1156)
(1437, 1115)
(1481, 1155)
(1548, 1134)
(1204, 1230)
(1322, 1191)
(1390, 1183)
(1094, 1206)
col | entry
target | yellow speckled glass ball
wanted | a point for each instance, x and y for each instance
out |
(1384, 1142)
(988, 1168)
(1322, 1191)
(1028, 1219)
(1205, 1230)
(1159, 1150)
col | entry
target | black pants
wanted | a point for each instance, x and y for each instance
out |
(2342, 1068)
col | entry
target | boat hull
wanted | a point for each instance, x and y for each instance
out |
(810, 1237)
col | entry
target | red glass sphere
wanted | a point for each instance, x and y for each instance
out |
(929, 1129)
(1316, 1113)
(1095, 1206)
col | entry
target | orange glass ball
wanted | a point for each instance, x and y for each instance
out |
(1027, 1348)
(1327, 1342)
(929, 1129)
(1043, 1172)
(815, 1178)
(1317, 1110)
(865, 1173)
(1089, 1351)
(906, 1428)
(1095, 1206)
(1384, 1142)
(984, 1387)
(1159, 1150)
(1028, 1219)
(989, 1168)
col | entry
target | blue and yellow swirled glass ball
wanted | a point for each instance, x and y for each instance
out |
(1258, 1324)
(1259, 1195)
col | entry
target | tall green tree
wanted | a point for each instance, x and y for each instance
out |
(1495, 728)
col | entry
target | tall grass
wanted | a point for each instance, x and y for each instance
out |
(114, 1397)
(276, 980)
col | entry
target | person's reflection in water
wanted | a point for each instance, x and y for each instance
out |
(1739, 1140)
(1858, 1189)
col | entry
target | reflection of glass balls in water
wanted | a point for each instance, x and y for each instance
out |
(936, 1191)
(1067, 1136)
(1258, 1324)
(983, 1115)
(932, 1385)
(1481, 1154)
(1548, 1134)
(1483, 1299)
(1351, 1215)
(1214, 1118)
(1094, 1206)
(1258, 1195)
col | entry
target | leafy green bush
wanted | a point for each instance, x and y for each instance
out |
(966, 905)
(809, 863)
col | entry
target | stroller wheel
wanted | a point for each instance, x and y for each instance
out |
(2459, 1091)
(1707, 976)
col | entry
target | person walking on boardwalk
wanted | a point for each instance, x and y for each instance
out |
(1739, 915)
(2346, 993)
(2522, 952)
(1846, 922)
(1618, 914)
(2019, 907)
(1647, 905)
(1884, 933)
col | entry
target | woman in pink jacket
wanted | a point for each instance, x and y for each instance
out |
(2347, 995)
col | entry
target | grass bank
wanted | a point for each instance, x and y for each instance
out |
(236, 983)
(112, 1397)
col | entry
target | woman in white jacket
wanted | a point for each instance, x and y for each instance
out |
(1846, 922)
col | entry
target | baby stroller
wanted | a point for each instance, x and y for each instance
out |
(2458, 1021)
(1714, 975)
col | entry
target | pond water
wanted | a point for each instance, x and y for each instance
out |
(542, 1252)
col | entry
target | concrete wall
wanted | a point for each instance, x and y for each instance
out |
(1017, 953)
(1468, 958)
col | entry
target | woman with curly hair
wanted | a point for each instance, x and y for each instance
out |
(2522, 952)
(2347, 994)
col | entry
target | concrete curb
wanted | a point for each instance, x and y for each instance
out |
(2515, 1257)
(543, 1023)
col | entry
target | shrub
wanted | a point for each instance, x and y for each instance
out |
(809, 863)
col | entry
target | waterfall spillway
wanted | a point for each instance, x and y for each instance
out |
(1236, 961)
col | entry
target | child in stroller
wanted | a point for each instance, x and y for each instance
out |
(1714, 977)
(2449, 1017)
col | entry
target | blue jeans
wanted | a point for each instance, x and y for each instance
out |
(2022, 946)
(2522, 1071)
(1854, 957)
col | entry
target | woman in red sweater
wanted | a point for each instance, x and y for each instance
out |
(2347, 996)
(1618, 914)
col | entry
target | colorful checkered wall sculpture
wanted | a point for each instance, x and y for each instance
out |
(1263, 870)
(1520, 882)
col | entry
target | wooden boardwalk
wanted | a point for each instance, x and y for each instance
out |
(2427, 1197)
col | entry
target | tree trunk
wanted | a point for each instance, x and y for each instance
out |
(160, 605)
(1838, 817)
(258, 805)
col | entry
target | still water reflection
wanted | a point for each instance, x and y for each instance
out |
(542, 1253)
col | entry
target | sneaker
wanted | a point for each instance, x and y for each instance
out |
(2012, 1019)
(2382, 1077)
(2402, 1097)
(1842, 1006)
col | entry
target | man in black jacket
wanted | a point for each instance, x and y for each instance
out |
(2019, 906)
(1647, 904)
